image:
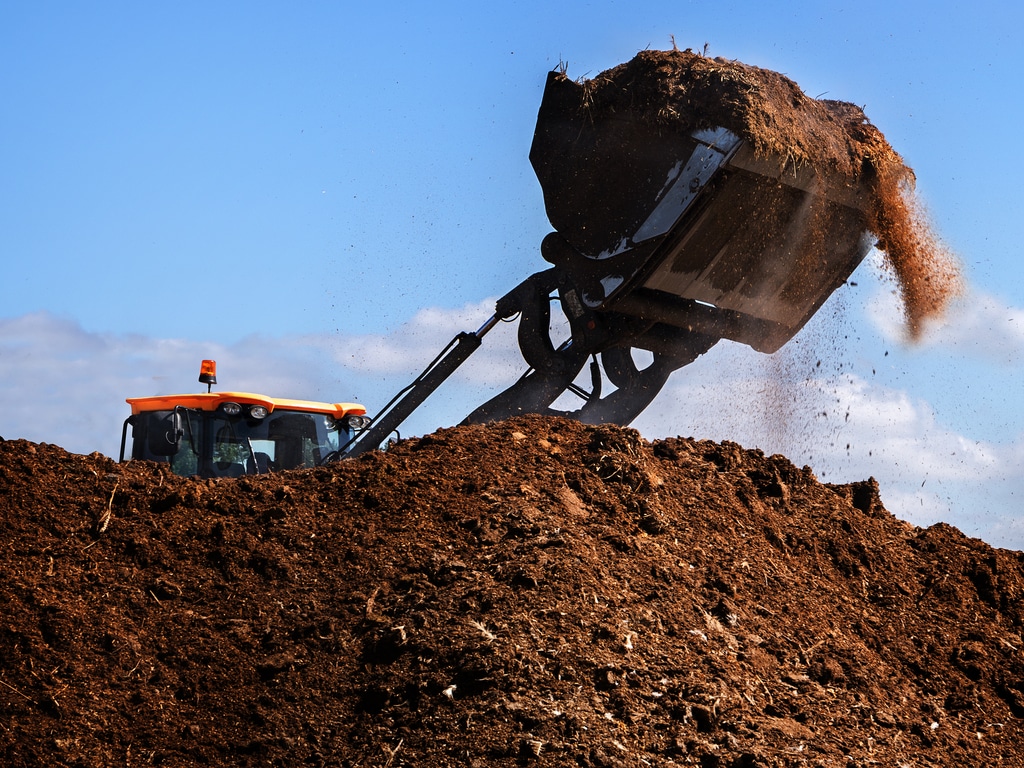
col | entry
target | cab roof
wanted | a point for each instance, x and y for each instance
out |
(211, 401)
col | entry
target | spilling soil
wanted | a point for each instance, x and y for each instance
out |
(529, 592)
(681, 91)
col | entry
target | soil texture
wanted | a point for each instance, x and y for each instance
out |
(529, 592)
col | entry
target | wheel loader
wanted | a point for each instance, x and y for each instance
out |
(664, 243)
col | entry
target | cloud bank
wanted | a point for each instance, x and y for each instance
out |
(65, 385)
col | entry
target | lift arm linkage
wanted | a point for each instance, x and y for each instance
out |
(441, 367)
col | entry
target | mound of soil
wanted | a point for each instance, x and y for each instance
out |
(532, 591)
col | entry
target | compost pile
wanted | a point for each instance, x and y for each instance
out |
(529, 592)
(679, 91)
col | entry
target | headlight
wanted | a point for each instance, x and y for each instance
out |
(231, 409)
(357, 422)
(258, 411)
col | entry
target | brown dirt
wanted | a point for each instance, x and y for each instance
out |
(527, 592)
(681, 90)
(928, 274)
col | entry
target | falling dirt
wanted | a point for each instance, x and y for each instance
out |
(530, 592)
(927, 272)
(682, 91)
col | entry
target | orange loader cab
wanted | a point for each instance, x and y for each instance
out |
(230, 434)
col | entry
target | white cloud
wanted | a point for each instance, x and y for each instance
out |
(981, 326)
(67, 386)
(410, 348)
(847, 429)
(976, 325)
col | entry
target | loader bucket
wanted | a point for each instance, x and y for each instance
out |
(692, 229)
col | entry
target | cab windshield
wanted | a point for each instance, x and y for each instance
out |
(213, 444)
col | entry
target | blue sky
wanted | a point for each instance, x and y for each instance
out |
(320, 195)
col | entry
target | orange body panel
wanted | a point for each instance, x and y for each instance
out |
(210, 401)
